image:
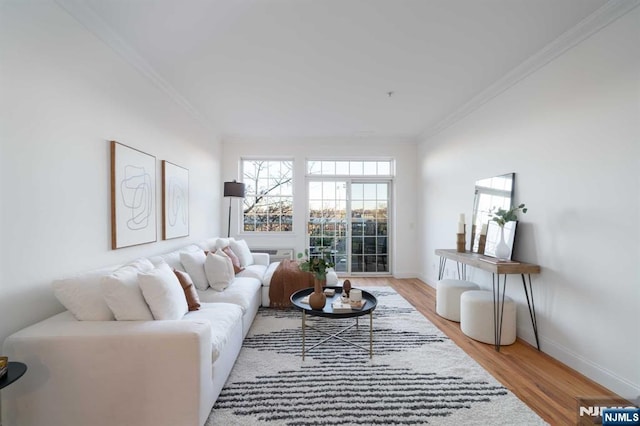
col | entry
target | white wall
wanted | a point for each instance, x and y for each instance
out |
(64, 96)
(571, 133)
(405, 217)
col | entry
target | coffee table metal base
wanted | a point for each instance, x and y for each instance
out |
(336, 335)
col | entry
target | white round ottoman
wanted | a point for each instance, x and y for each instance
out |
(476, 317)
(448, 297)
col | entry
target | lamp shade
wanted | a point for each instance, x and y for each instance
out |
(234, 189)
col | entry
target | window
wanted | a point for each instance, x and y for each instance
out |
(268, 202)
(350, 168)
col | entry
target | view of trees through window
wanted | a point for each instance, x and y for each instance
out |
(348, 213)
(268, 202)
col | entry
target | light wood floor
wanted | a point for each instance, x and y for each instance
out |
(547, 386)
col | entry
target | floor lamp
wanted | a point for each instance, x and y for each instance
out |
(233, 190)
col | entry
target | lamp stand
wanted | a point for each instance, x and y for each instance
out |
(229, 226)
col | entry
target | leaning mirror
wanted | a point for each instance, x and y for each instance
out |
(495, 192)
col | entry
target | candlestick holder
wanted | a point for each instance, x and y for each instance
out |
(473, 237)
(482, 244)
(460, 243)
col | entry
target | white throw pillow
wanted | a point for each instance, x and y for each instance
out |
(163, 293)
(82, 296)
(219, 270)
(122, 293)
(241, 249)
(222, 243)
(193, 263)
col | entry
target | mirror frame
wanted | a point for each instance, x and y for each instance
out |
(487, 195)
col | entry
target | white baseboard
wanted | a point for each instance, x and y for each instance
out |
(404, 275)
(595, 372)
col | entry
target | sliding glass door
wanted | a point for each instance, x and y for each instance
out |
(349, 220)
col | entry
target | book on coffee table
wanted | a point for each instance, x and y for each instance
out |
(345, 305)
(340, 307)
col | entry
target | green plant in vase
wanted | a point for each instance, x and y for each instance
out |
(502, 217)
(318, 266)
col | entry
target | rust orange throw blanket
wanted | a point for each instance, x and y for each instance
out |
(286, 280)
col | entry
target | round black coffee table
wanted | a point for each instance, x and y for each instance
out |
(327, 312)
(14, 372)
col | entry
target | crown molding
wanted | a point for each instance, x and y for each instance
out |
(593, 23)
(87, 17)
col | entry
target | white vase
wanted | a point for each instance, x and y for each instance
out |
(503, 251)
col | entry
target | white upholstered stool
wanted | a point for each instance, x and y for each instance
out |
(448, 297)
(476, 317)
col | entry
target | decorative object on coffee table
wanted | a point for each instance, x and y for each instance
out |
(318, 266)
(346, 287)
(317, 299)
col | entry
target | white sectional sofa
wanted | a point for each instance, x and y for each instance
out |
(145, 372)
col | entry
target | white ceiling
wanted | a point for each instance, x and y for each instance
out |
(324, 68)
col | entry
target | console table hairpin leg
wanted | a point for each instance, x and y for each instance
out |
(461, 267)
(442, 266)
(498, 307)
(532, 307)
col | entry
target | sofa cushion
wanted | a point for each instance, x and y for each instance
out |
(173, 258)
(163, 293)
(253, 271)
(223, 242)
(268, 274)
(193, 263)
(241, 249)
(190, 293)
(82, 296)
(210, 244)
(222, 317)
(219, 270)
(122, 293)
(240, 292)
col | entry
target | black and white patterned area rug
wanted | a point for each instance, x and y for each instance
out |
(417, 375)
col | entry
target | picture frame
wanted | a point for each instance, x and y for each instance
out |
(175, 201)
(133, 200)
(493, 237)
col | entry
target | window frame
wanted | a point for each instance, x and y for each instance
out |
(291, 196)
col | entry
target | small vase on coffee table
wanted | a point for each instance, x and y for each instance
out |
(317, 299)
